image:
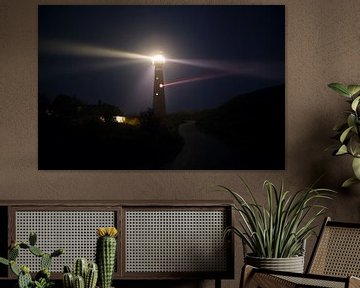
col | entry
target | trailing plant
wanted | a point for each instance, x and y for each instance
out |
(42, 278)
(84, 275)
(280, 228)
(106, 254)
(348, 133)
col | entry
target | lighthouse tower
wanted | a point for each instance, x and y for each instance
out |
(159, 92)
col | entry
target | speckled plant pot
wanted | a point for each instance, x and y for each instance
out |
(291, 264)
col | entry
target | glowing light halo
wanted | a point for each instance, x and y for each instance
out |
(158, 59)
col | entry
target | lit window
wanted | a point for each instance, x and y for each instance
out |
(119, 119)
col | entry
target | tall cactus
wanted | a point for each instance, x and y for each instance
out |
(106, 254)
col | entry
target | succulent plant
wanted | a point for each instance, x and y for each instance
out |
(79, 282)
(81, 266)
(85, 275)
(106, 254)
(91, 276)
(42, 278)
(68, 278)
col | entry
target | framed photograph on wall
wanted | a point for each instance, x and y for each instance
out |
(161, 87)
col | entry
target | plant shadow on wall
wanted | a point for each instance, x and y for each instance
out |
(279, 229)
(348, 132)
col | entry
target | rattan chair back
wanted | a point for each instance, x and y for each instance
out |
(337, 252)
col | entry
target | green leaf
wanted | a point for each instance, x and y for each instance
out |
(14, 268)
(353, 89)
(355, 103)
(342, 150)
(345, 134)
(4, 261)
(351, 120)
(349, 182)
(356, 167)
(354, 145)
(340, 88)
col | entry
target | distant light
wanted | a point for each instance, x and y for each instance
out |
(158, 59)
(119, 119)
(161, 85)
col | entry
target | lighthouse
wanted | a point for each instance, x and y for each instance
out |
(159, 107)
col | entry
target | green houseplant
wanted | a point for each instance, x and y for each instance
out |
(279, 229)
(348, 132)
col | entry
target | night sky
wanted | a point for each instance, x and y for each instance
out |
(213, 53)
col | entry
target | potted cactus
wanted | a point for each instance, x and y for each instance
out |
(85, 275)
(106, 254)
(42, 278)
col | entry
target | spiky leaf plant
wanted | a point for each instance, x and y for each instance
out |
(348, 133)
(278, 229)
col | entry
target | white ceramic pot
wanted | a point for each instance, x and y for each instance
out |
(291, 264)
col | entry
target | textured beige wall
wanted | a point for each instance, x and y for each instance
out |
(322, 46)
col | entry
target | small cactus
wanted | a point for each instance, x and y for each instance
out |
(45, 261)
(89, 272)
(24, 277)
(91, 276)
(79, 282)
(32, 238)
(68, 280)
(42, 278)
(106, 254)
(81, 265)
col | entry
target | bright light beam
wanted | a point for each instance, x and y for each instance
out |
(241, 67)
(195, 79)
(65, 47)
